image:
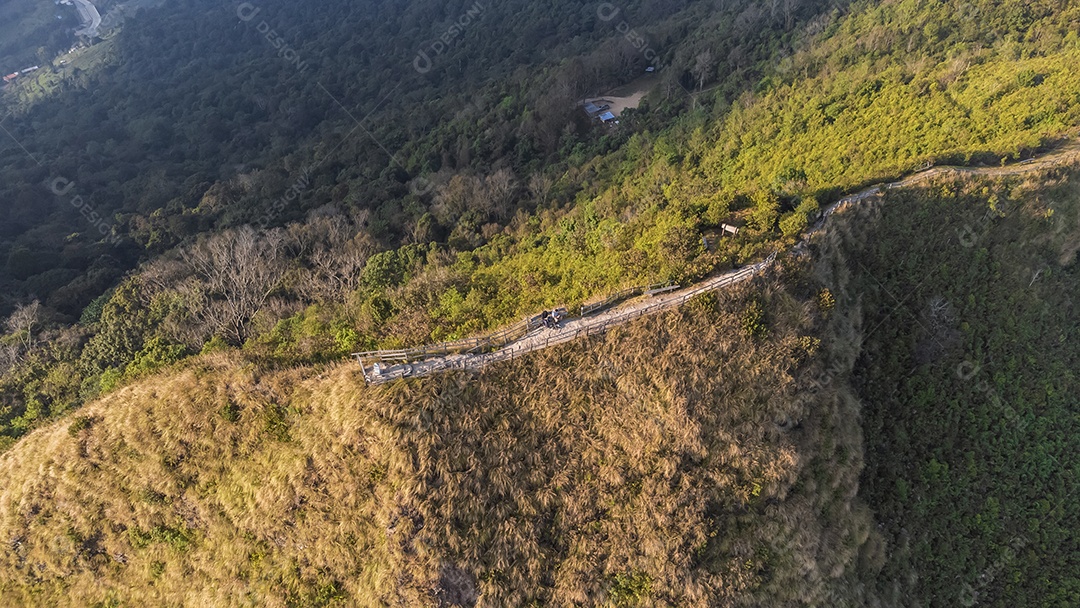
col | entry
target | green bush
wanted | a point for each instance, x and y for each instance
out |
(793, 223)
(765, 210)
(630, 589)
(156, 353)
(79, 424)
(753, 321)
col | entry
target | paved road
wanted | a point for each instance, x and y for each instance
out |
(572, 329)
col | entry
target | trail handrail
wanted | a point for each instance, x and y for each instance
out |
(623, 294)
(464, 346)
(515, 340)
(586, 328)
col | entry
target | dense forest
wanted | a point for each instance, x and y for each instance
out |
(225, 125)
(968, 380)
(319, 163)
(204, 212)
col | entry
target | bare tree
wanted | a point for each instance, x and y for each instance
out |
(540, 187)
(790, 6)
(336, 266)
(704, 64)
(773, 6)
(625, 56)
(160, 275)
(23, 321)
(233, 275)
(456, 197)
(10, 354)
(500, 189)
(337, 271)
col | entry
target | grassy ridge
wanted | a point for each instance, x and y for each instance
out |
(869, 93)
(591, 472)
(710, 454)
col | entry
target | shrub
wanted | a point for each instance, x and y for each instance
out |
(753, 321)
(766, 210)
(630, 588)
(155, 354)
(826, 300)
(78, 424)
(792, 224)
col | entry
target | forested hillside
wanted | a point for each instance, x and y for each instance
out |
(500, 197)
(969, 388)
(198, 124)
(32, 32)
(200, 220)
(685, 462)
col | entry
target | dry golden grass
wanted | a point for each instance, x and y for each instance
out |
(675, 461)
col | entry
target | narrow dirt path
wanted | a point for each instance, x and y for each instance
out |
(573, 329)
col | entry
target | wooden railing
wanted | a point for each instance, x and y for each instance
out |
(507, 335)
(629, 292)
(443, 349)
(585, 328)
(467, 346)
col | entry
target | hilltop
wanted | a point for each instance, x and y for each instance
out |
(679, 457)
(197, 233)
(744, 448)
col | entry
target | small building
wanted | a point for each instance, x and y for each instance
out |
(607, 117)
(30, 69)
(11, 77)
(650, 69)
(591, 109)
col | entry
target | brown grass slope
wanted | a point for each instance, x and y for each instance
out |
(690, 459)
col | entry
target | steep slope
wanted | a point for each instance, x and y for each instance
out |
(968, 381)
(711, 454)
(681, 460)
(528, 206)
(894, 85)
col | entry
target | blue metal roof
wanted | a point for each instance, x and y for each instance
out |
(606, 116)
(591, 108)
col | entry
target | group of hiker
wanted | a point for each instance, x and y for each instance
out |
(552, 318)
